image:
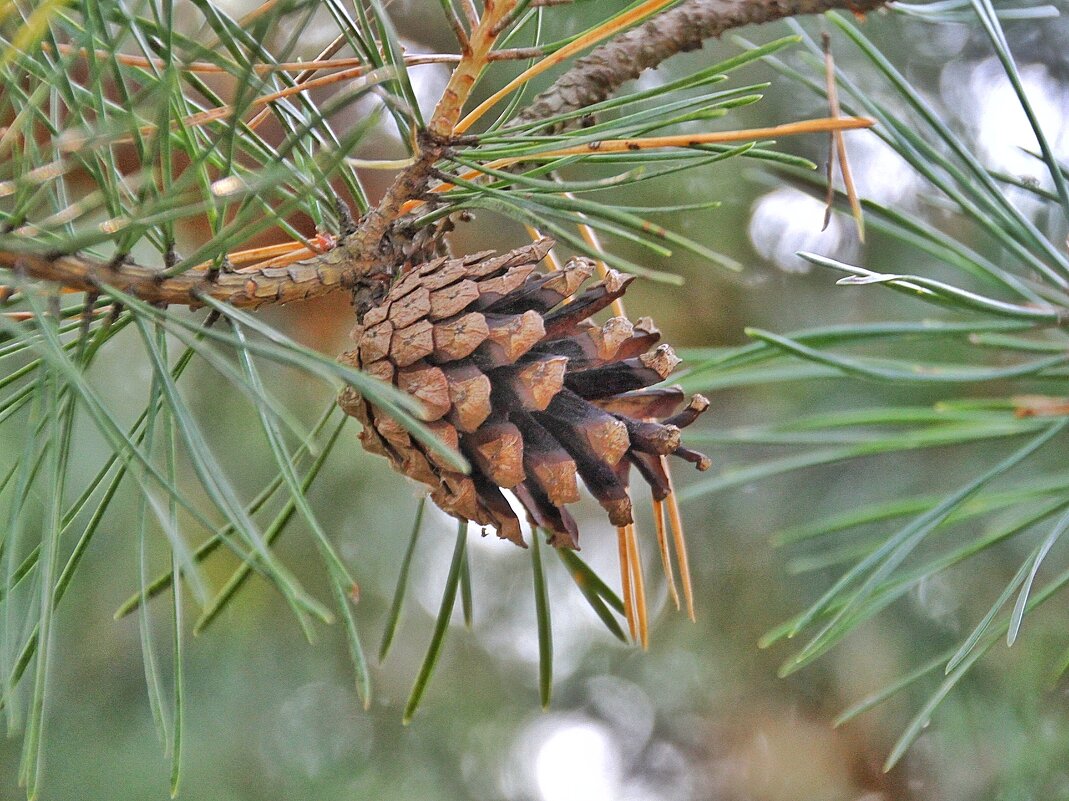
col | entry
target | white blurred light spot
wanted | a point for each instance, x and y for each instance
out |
(650, 79)
(114, 225)
(786, 221)
(314, 731)
(428, 80)
(227, 186)
(984, 98)
(237, 8)
(936, 598)
(578, 762)
(627, 708)
(880, 173)
(428, 83)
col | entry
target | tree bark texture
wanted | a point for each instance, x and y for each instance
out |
(596, 76)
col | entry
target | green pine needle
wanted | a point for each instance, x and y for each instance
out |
(441, 625)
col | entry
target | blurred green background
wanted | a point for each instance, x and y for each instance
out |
(702, 715)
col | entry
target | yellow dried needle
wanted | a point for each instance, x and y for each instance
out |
(591, 238)
(840, 146)
(609, 28)
(666, 557)
(625, 581)
(675, 520)
(639, 586)
(819, 125)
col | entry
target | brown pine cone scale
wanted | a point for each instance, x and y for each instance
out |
(512, 372)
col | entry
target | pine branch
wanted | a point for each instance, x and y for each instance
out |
(596, 76)
(367, 253)
(320, 275)
(363, 254)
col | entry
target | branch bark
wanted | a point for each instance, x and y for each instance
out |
(596, 76)
(303, 280)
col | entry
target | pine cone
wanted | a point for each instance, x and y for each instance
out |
(526, 386)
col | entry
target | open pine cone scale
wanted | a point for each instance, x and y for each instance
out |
(512, 372)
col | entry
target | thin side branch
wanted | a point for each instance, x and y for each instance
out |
(596, 76)
(314, 277)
